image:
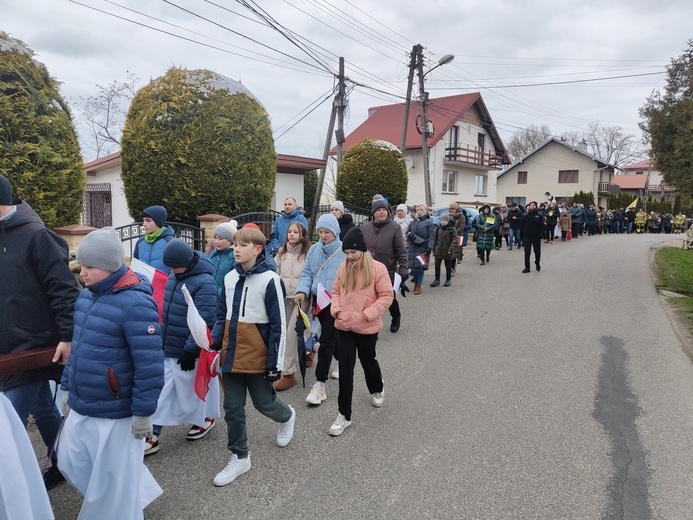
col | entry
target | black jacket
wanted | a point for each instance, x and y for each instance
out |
(38, 290)
(515, 218)
(346, 222)
(532, 224)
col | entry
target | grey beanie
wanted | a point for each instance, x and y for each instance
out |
(101, 249)
(445, 216)
(178, 253)
(157, 213)
(379, 203)
(226, 230)
(337, 204)
(329, 222)
(5, 191)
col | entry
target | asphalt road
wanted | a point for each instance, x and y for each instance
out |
(559, 394)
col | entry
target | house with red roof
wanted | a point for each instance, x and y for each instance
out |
(557, 170)
(466, 151)
(641, 179)
(104, 198)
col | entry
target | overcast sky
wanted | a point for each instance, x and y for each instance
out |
(496, 43)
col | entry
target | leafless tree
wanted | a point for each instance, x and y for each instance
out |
(100, 118)
(612, 145)
(527, 140)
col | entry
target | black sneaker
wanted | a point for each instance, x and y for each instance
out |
(525, 270)
(52, 477)
(394, 326)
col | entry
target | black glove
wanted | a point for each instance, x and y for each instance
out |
(405, 277)
(187, 361)
(273, 375)
(403, 289)
(428, 252)
(215, 346)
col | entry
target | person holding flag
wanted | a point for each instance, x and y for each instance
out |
(317, 279)
(445, 239)
(420, 239)
(178, 403)
(150, 247)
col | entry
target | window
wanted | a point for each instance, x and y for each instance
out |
(449, 181)
(480, 183)
(522, 177)
(454, 137)
(520, 201)
(567, 176)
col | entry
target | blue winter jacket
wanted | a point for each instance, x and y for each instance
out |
(199, 280)
(317, 254)
(422, 227)
(116, 367)
(223, 262)
(281, 226)
(153, 254)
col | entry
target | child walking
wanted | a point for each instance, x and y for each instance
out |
(362, 292)
(251, 327)
(114, 376)
(445, 241)
(178, 403)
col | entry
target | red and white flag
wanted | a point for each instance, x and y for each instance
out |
(323, 299)
(208, 362)
(422, 259)
(460, 240)
(157, 278)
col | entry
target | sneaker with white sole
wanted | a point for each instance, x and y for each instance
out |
(197, 432)
(151, 445)
(378, 398)
(317, 394)
(235, 468)
(339, 425)
(335, 374)
(286, 429)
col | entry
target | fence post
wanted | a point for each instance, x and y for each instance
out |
(208, 223)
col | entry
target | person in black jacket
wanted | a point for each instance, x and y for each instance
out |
(36, 306)
(514, 218)
(346, 221)
(532, 227)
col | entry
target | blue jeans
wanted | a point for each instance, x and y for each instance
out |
(35, 398)
(417, 274)
(514, 233)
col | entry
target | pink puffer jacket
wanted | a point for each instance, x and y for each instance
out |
(361, 310)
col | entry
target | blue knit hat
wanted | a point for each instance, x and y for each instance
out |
(329, 222)
(157, 213)
(178, 253)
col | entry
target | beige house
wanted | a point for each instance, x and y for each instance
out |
(557, 170)
(466, 151)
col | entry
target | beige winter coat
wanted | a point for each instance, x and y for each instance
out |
(289, 267)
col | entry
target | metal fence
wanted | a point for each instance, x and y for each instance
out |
(130, 234)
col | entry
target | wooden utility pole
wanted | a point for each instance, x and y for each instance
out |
(424, 131)
(412, 65)
(341, 100)
(336, 104)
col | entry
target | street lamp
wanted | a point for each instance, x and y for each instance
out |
(424, 123)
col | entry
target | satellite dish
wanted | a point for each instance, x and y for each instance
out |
(548, 194)
(409, 162)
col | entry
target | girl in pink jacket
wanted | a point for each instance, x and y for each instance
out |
(362, 292)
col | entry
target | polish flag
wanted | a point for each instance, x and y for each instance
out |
(157, 278)
(324, 298)
(422, 259)
(460, 240)
(208, 362)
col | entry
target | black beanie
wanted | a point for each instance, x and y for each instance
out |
(5, 191)
(178, 254)
(354, 240)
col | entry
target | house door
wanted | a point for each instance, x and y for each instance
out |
(481, 141)
(97, 208)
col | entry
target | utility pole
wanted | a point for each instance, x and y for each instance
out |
(340, 113)
(424, 130)
(337, 104)
(415, 51)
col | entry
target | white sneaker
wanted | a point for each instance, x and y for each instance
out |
(339, 426)
(286, 430)
(378, 398)
(317, 394)
(235, 468)
(335, 374)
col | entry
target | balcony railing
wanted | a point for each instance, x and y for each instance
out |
(472, 155)
(607, 188)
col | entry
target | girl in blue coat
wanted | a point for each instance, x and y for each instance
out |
(113, 377)
(222, 256)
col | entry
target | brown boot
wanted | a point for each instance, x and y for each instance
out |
(417, 288)
(309, 359)
(285, 383)
(482, 261)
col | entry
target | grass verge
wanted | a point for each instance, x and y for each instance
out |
(674, 272)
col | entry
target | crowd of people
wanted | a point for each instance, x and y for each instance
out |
(131, 361)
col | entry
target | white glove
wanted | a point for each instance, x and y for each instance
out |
(142, 427)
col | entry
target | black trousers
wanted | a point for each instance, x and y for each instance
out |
(328, 345)
(529, 243)
(351, 345)
(448, 267)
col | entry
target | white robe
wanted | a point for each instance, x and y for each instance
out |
(22, 491)
(178, 403)
(103, 461)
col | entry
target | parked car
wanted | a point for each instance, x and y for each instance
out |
(470, 213)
